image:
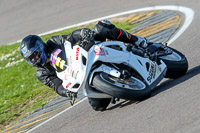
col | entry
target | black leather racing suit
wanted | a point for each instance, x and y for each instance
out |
(102, 31)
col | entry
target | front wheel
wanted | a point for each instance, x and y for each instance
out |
(131, 88)
(177, 64)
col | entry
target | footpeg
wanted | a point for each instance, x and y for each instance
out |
(114, 100)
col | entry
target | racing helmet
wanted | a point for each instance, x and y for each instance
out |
(32, 50)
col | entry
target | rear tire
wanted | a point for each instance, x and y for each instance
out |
(175, 68)
(107, 84)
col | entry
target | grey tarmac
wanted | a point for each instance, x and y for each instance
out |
(174, 105)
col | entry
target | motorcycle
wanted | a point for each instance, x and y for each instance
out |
(114, 69)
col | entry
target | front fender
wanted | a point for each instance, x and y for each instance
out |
(106, 69)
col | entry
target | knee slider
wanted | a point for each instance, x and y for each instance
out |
(106, 24)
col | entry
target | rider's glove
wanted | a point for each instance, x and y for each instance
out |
(87, 38)
(64, 92)
(68, 93)
(142, 42)
(87, 35)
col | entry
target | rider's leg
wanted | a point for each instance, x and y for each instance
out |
(105, 30)
(99, 104)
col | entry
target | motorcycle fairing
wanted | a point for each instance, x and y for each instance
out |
(80, 62)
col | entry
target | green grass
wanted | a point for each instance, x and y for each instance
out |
(20, 91)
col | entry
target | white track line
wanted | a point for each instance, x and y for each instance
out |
(189, 15)
(56, 115)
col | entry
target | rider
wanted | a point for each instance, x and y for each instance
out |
(37, 53)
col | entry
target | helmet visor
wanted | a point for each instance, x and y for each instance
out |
(33, 56)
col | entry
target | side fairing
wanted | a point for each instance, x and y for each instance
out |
(74, 74)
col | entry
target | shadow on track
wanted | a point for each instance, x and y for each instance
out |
(173, 82)
(162, 87)
(122, 104)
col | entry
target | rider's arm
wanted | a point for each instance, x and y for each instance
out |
(51, 80)
(84, 37)
(75, 37)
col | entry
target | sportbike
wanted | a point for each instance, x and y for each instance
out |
(113, 69)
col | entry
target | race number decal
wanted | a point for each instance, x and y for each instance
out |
(152, 72)
(99, 51)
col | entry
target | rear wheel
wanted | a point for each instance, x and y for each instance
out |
(131, 88)
(177, 64)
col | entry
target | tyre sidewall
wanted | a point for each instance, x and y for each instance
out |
(176, 69)
(119, 92)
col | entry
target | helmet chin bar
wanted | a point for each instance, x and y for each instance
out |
(32, 50)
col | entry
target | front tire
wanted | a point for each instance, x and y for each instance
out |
(177, 64)
(131, 89)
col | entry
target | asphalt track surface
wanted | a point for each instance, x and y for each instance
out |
(173, 107)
